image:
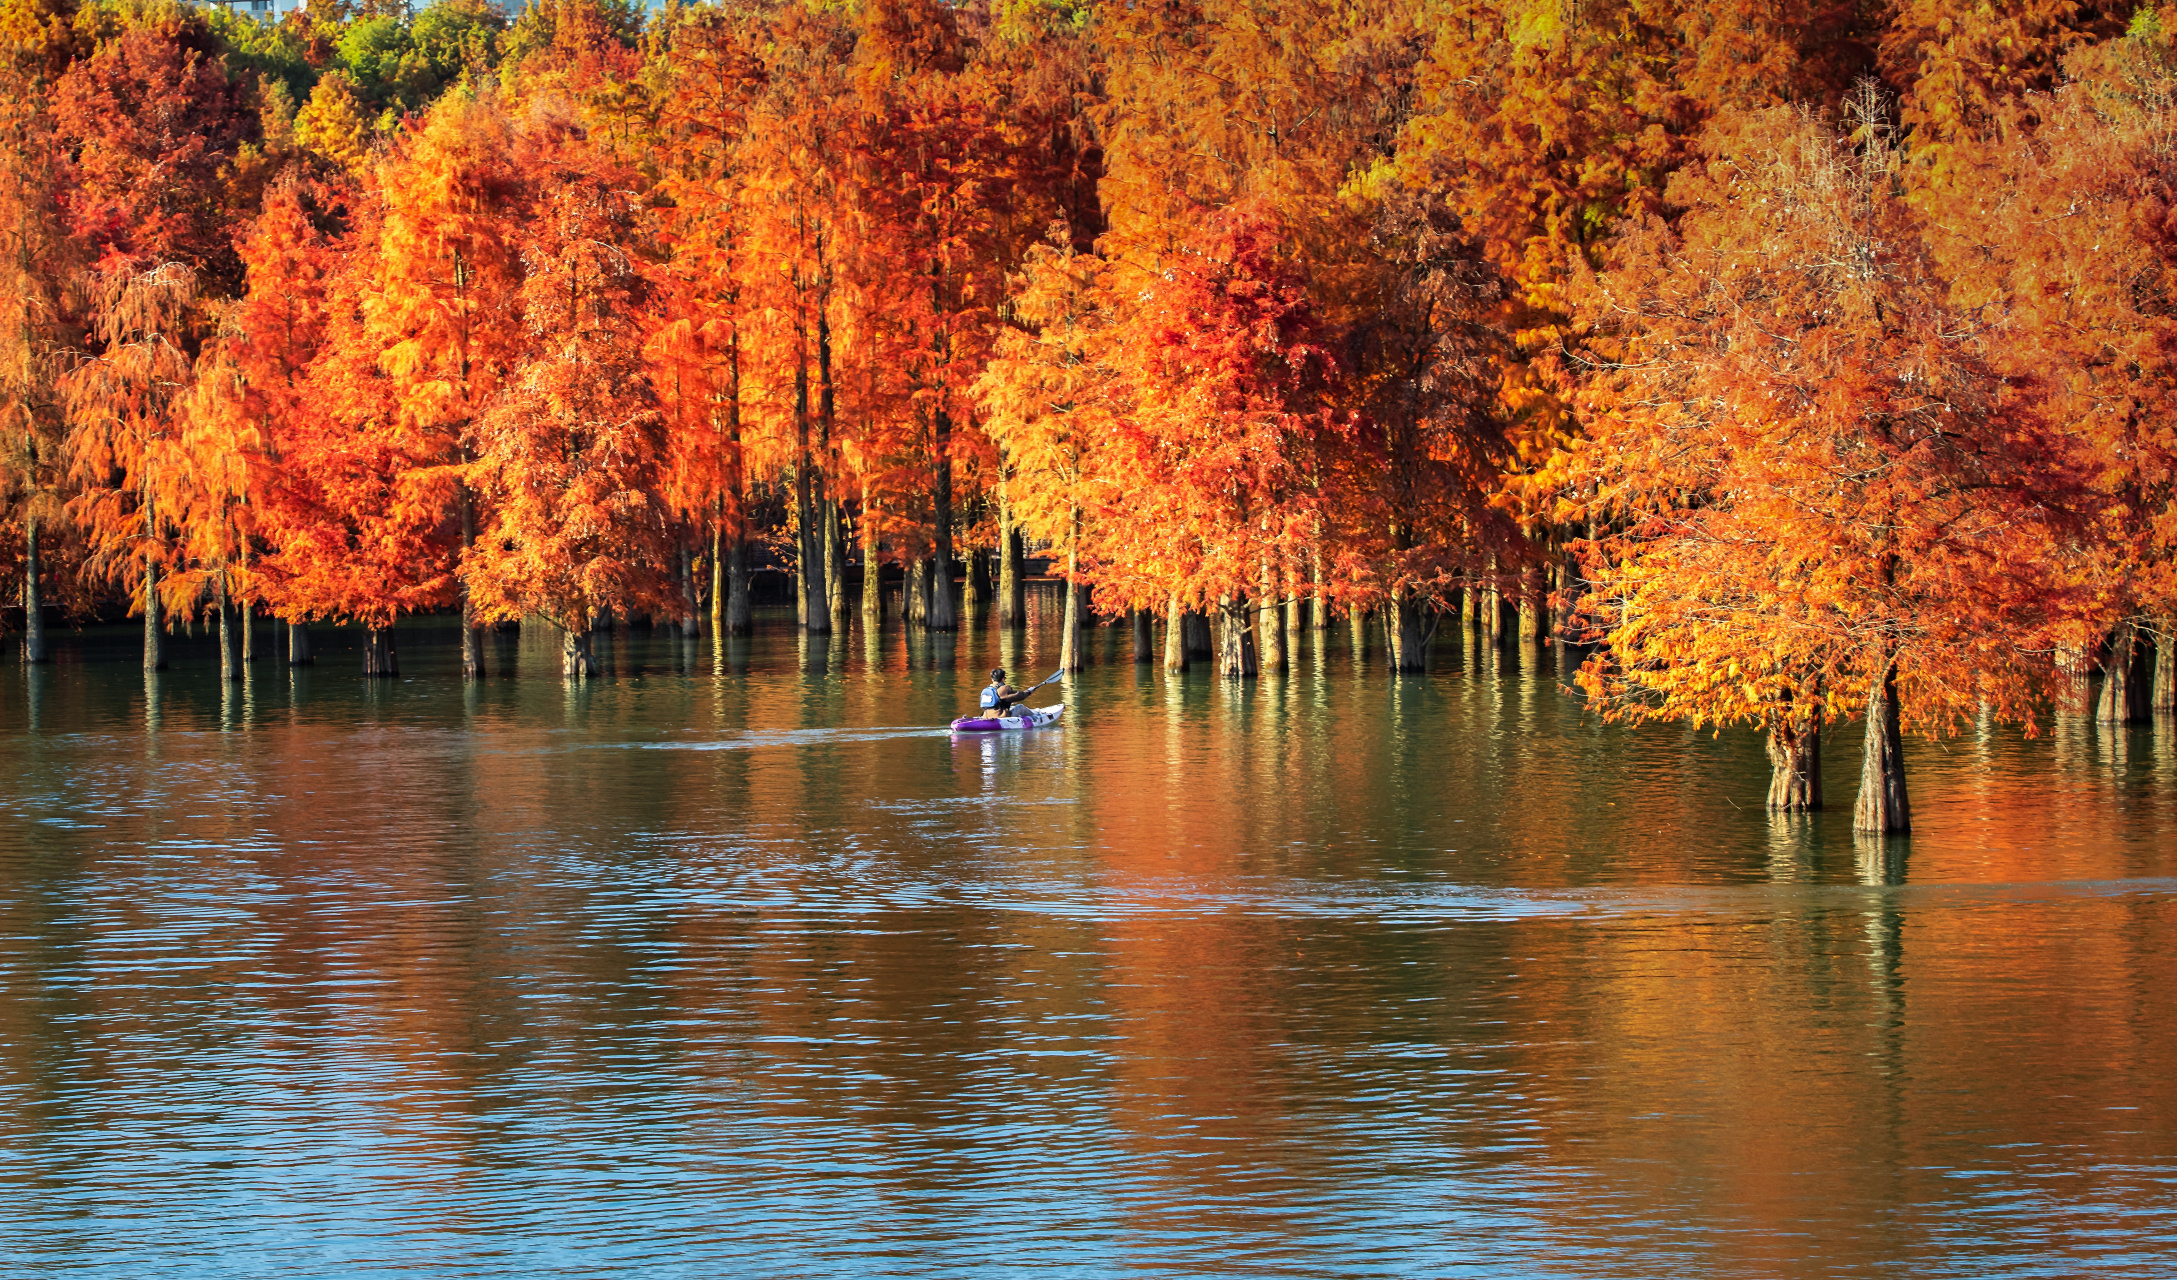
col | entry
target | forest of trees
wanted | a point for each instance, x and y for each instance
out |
(1801, 362)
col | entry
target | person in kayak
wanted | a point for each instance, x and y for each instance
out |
(998, 696)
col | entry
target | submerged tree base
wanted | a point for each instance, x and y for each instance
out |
(378, 656)
(1795, 758)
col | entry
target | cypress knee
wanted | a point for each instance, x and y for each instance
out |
(1882, 808)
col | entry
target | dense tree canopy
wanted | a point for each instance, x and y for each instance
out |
(1812, 362)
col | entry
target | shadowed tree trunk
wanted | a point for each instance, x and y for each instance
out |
(246, 616)
(943, 617)
(1411, 629)
(1357, 625)
(740, 609)
(690, 627)
(980, 587)
(2165, 668)
(33, 603)
(1144, 636)
(1197, 640)
(1795, 764)
(1012, 573)
(1175, 637)
(230, 634)
(298, 645)
(1236, 656)
(472, 636)
(2123, 690)
(378, 656)
(1881, 808)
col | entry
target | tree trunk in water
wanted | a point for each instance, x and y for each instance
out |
(1069, 647)
(230, 635)
(1357, 623)
(1410, 633)
(1197, 640)
(981, 583)
(719, 589)
(298, 645)
(872, 566)
(1144, 636)
(1236, 658)
(1319, 602)
(575, 660)
(154, 632)
(912, 594)
(378, 656)
(835, 563)
(1795, 764)
(1012, 572)
(2076, 692)
(2165, 668)
(1296, 601)
(815, 597)
(1881, 808)
(740, 610)
(246, 615)
(689, 626)
(1175, 637)
(472, 636)
(33, 603)
(2120, 687)
(1269, 622)
(1531, 617)
(943, 617)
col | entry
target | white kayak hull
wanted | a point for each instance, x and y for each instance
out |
(1021, 718)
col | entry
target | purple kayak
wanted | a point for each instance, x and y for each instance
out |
(1017, 718)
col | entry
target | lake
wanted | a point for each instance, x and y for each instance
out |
(737, 963)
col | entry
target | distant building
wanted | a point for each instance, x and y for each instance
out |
(262, 10)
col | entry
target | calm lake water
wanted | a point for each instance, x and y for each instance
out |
(734, 965)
